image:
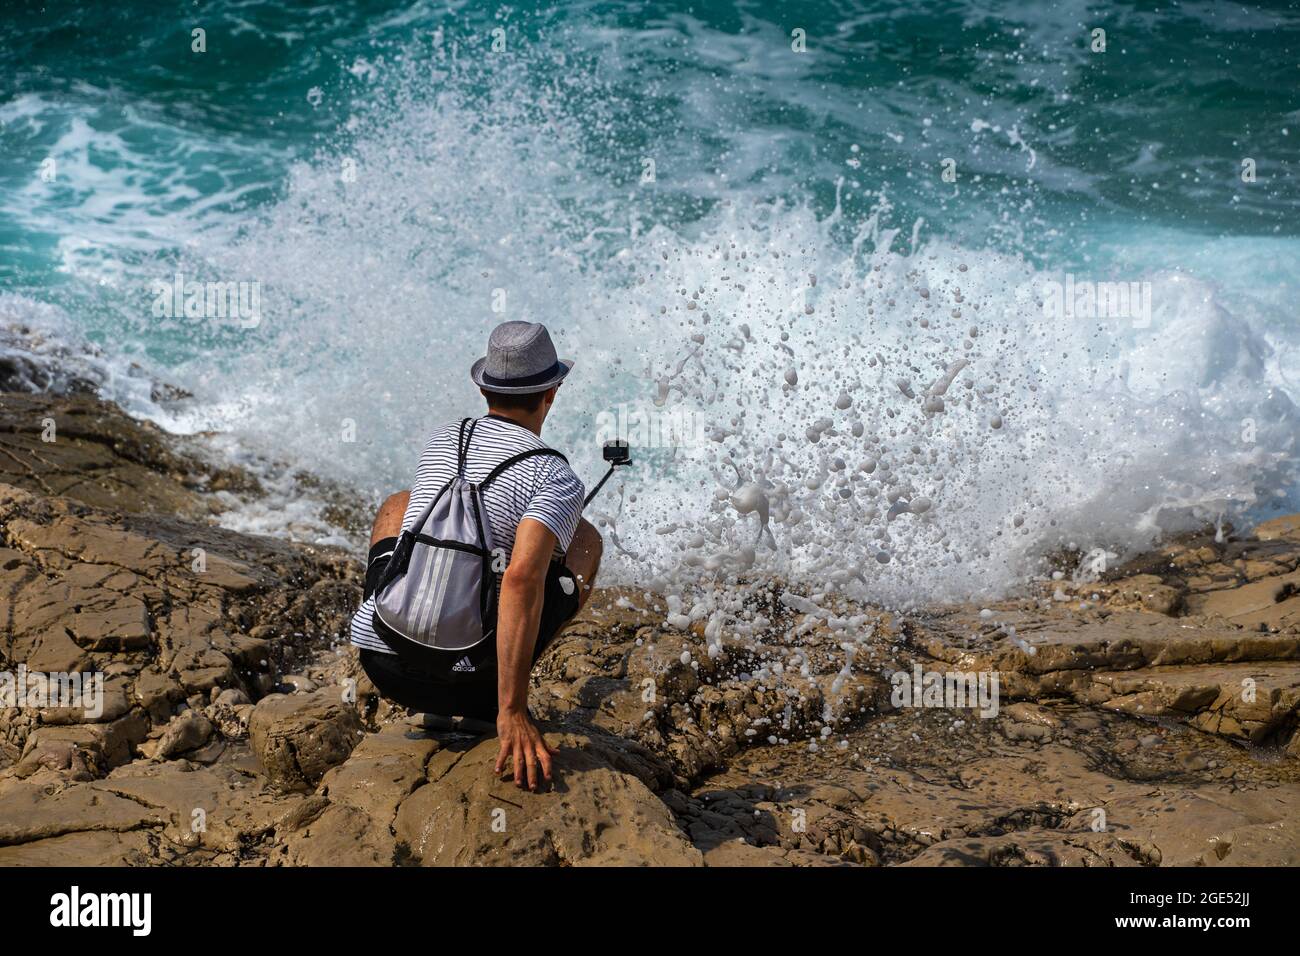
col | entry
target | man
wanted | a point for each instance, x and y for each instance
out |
(535, 512)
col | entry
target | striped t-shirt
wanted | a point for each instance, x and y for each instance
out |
(543, 487)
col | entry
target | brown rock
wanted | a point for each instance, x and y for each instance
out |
(1251, 603)
(104, 745)
(113, 703)
(297, 738)
(1287, 528)
(596, 814)
(1246, 701)
(217, 808)
(28, 812)
(1027, 713)
(99, 456)
(1031, 732)
(97, 848)
(740, 853)
(341, 835)
(158, 694)
(383, 770)
(187, 731)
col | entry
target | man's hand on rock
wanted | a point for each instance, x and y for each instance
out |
(522, 743)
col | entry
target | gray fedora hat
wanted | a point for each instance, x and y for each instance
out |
(520, 360)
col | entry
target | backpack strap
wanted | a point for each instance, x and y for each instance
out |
(515, 459)
(462, 444)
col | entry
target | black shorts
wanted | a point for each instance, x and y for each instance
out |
(466, 685)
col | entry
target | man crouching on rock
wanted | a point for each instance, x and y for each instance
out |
(534, 513)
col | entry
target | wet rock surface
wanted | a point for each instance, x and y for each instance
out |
(87, 449)
(1147, 717)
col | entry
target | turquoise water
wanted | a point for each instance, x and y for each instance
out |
(382, 172)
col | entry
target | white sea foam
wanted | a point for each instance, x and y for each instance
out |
(1054, 433)
(791, 333)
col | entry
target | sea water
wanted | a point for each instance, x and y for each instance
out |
(926, 293)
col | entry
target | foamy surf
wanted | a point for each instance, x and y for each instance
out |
(877, 404)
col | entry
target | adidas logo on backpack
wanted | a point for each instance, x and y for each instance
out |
(438, 592)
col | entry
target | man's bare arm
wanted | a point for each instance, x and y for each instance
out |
(388, 523)
(519, 614)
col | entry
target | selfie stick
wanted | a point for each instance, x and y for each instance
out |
(616, 453)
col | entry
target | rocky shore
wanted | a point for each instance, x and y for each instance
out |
(1146, 718)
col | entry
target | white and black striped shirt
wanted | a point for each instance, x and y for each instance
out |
(543, 487)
